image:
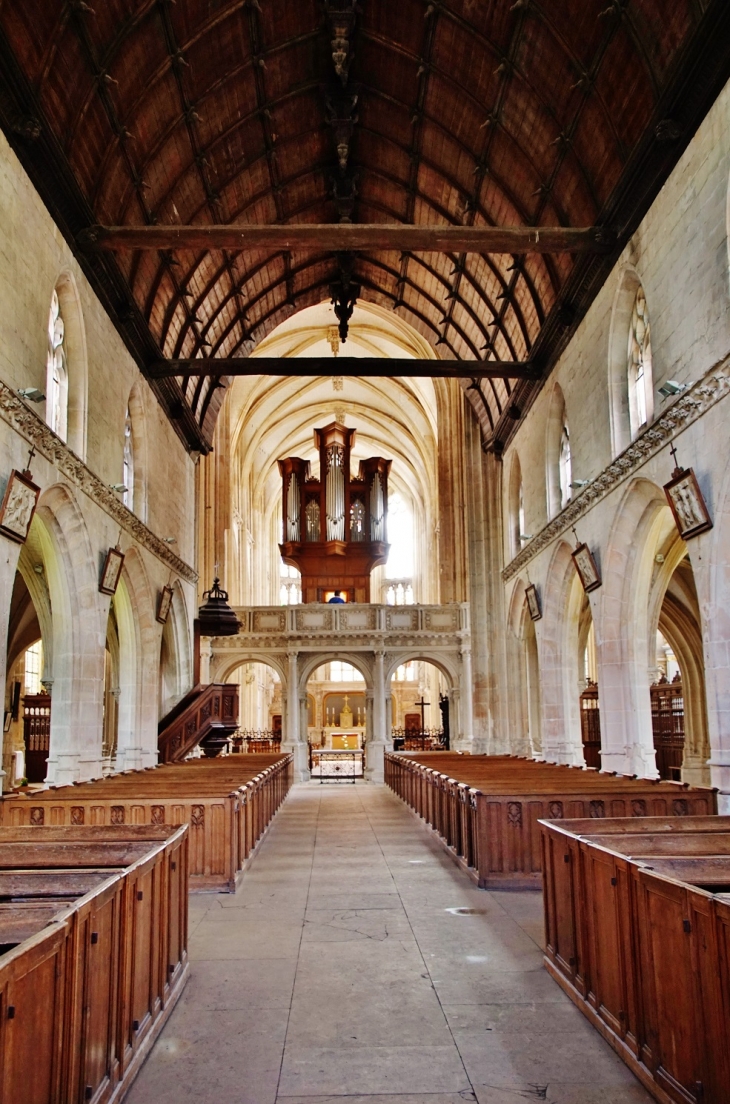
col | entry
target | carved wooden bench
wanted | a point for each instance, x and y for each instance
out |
(637, 925)
(487, 808)
(93, 926)
(227, 803)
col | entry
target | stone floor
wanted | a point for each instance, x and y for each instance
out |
(345, 969)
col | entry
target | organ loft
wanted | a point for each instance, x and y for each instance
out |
(335, 526)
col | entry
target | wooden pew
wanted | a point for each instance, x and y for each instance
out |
(487, 808)
(94, 957)
(640, 941)
(227, 803)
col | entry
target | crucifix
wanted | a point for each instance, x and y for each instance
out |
(673, 450)
(422, 706)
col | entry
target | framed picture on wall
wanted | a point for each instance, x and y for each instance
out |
(587, 568)
(18, 506)
(687, 504)
(164, 603)
(111, 571)
(533, 602)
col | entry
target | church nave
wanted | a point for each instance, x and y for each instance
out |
(346, 968)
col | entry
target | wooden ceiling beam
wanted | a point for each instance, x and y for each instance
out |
(343, 366)
(341, 237)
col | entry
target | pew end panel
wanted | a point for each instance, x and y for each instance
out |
(33, 993)
(657, 983)
(488, 812)
(68, 992)
(227, 804)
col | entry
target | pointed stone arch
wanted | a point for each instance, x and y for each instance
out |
(557, 637)
(79, 626)
(625, 643)
(139, 657)
(523, 672)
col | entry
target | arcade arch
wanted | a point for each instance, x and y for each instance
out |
(648, 587)
(419, 698)
(560, 660)
(523, 672)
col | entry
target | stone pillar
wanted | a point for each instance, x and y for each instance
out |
(389, 722)
(7, 581)
(375, 771)
(292, 741)
(206, 654)
(490, 719)
(465, 740)
(304, 720)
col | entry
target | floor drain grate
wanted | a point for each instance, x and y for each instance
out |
(466, 911)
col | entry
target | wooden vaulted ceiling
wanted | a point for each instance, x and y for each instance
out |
(498, 112)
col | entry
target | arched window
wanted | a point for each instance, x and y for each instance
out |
(290, 591)
(516, 508)
(565, 466)
(641, 387)
(128, 462)
(56, 372)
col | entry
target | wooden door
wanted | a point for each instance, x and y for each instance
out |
(37, 735)
(590, 725)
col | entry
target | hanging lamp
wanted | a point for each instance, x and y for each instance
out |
(215, 616)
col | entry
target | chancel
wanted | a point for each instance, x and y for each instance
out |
(365, 551)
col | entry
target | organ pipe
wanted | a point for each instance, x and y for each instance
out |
(335, 493)
(377, 508)
(293, 509)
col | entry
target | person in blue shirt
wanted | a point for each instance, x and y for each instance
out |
(336, 599)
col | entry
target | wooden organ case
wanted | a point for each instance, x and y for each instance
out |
(335, 526)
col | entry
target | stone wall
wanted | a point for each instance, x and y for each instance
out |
(679, 255)
(79, 517)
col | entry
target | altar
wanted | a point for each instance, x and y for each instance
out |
(336, 766)
(343, 730)
(343, 741)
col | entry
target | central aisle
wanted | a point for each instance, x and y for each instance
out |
(346, 969)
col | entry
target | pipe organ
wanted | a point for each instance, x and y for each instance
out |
(335, 528)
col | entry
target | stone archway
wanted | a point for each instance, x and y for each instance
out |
(79, 622)
(626, 628)
(557, 638)
(523, 671)
(139, 651)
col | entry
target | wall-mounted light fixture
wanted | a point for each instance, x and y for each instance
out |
(671, 388)
(169, 540)
(32, 394)
(525, 536)
(578, 483)
(117, 487)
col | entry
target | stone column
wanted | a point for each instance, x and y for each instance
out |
(7, 581)
(389, 722)
(292, 741)
(465, 739)
(375, 771)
